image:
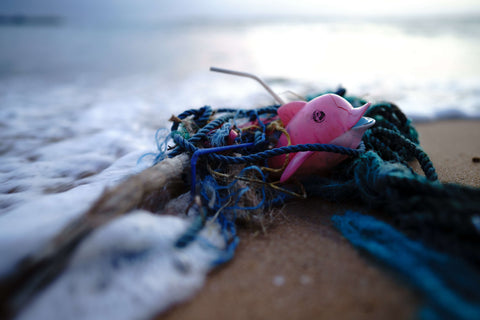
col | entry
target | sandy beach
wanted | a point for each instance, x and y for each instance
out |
(86, 93)
(302, 268)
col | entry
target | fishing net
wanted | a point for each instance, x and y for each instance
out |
(231, 148)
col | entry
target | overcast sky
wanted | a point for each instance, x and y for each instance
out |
(154, 9)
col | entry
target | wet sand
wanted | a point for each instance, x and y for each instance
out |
(302, 268)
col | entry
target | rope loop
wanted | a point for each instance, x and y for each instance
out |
(377, 174)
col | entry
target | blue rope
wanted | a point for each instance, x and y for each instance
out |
(449, 285)
(249, 113)
(229, 233)
(201, 144)
(202, 116)
(255, 157)
(200, 152)
(232, 193)
(377, 174)
(189, 147)
(201, 134)
(440, 214)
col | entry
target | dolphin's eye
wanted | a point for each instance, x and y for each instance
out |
(318, 116)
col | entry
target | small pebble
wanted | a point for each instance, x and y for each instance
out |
(476, 159)
(279, 281)
(304, 279)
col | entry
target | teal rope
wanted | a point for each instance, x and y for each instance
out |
(449, 285)
(381, 178)
(199, 136)
(395, 139)
(379, 175)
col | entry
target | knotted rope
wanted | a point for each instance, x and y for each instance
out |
(377, 174)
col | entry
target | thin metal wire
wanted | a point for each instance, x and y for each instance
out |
(251, 76)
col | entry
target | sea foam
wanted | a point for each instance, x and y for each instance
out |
(129, 269)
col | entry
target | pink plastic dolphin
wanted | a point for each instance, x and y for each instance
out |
(325, 119)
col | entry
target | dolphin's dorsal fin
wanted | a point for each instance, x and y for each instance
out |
(289, 110)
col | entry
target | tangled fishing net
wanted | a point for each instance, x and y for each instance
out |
(230, 149)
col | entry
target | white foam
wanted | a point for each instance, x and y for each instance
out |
(63, 148)
(129, 269)
(27, 227)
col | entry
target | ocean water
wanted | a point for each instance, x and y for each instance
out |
(80, 103)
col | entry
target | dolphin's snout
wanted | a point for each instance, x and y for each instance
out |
(364, 123)
(356, 114)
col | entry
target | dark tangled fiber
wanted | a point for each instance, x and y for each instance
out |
(441, 214)
(378, 176)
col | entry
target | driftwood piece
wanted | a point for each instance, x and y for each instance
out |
(35, 272)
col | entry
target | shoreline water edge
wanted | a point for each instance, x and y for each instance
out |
(80, 105)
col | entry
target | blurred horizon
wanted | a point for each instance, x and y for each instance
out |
(151, 11)
(420, 52)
